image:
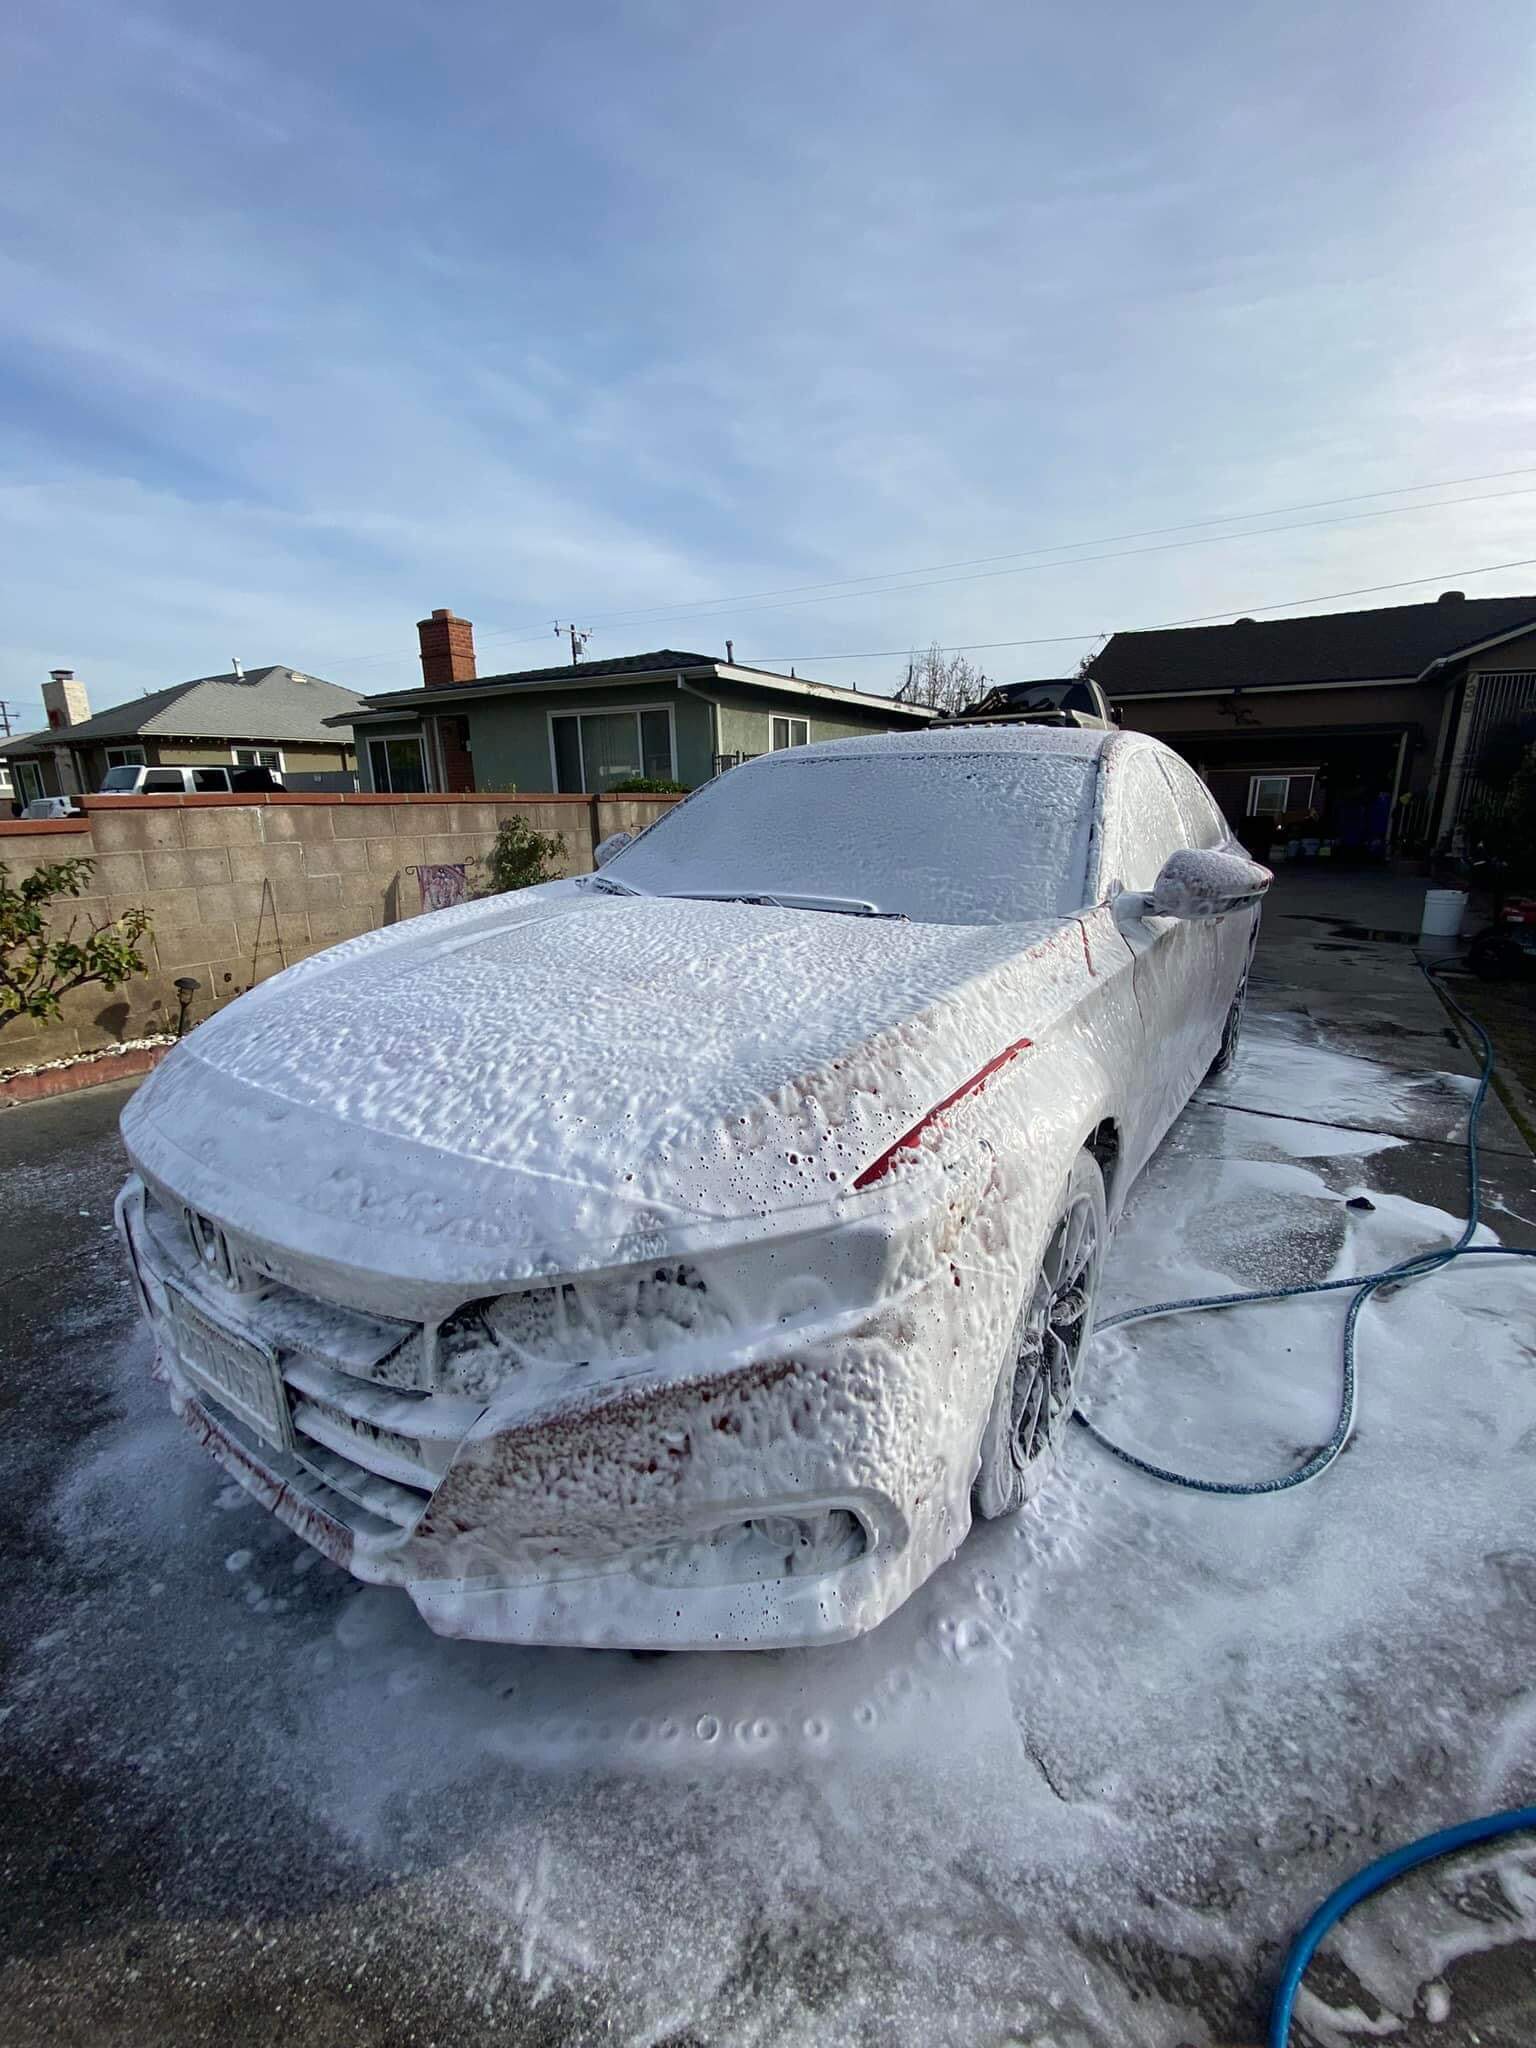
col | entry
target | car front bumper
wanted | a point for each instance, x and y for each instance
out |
(542, 1520)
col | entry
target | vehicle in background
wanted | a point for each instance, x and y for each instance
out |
(679, 1256)
(139, 779)
(43, 807)
(1506, 949)
(1066, 700)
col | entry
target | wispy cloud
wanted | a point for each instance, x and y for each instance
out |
(314, 318)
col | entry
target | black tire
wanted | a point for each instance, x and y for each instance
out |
(1231, 1033)
(1037, 1390)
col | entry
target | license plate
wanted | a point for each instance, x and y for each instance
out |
(235, 1369)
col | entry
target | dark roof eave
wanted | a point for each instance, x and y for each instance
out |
(399, 703)
(498, 686)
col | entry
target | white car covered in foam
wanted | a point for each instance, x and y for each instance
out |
(680, 1256)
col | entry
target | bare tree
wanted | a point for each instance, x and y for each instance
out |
(946, 681)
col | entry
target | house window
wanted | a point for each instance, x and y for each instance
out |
(592, 750)
(789, 732)
(259, 757)
(1276, 796)
(398, 767)
(125, 757)
(29, 781)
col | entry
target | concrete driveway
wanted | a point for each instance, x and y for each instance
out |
(1077, 1793)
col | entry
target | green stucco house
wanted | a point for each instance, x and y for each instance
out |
(590, 724)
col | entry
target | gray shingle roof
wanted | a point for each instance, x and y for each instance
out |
(661, 661)
(668, 658)
(263, 704)
(1344, 647)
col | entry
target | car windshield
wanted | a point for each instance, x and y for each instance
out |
(956, 837)
(119, 778)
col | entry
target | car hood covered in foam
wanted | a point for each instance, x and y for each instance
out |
(540, 1082)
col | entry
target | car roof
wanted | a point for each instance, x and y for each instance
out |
(1086, 743)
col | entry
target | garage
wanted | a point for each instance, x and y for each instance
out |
(1356, 734)
(1311, 787)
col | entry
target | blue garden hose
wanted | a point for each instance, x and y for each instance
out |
(1374, 1878)
(1386, 1868)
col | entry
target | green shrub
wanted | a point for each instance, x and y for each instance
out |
(1506, 828)
(647, 785)
(520, 857)
(39, 964)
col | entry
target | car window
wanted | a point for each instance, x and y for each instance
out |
(1146, 825)
(211, 779)
(124, 776)
(1204, 826)
(970, 831)
(161, 781)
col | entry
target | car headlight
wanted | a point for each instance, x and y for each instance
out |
(629, 1315)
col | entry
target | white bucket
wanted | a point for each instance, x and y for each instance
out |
(1443, 912)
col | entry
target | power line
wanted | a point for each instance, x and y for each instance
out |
(1157, 548)
(1165, 625)
(851, 586)
(892, 576)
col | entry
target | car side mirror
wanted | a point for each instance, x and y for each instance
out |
(1194, 885)
(607, 848)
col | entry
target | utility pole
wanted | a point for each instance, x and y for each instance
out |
(579, 639)
(5, 718)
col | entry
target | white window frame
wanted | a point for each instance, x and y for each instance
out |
(387, 739)
(126, 757)
(580, 711)
(1287, 776)
(256, 762)
(784, 718)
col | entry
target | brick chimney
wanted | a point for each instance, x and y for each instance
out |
(64, 699)
(447, 650)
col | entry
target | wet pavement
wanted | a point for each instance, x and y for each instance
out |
(1076, 1794)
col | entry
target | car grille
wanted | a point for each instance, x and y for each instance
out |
(367, 1452)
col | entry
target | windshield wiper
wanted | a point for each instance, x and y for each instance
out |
(846, 906)
(609, 885)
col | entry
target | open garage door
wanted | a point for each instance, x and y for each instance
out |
(1332, 794)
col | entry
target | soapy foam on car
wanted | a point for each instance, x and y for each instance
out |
(555, 1073)
(508, 1093)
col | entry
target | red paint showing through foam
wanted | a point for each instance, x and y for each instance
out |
(910, 1139)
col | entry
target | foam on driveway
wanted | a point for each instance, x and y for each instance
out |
(1078, 1791)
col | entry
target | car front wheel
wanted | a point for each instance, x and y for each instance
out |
(1231, 1032)
(1032, 1408)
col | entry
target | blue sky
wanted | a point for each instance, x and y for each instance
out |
(315, 317)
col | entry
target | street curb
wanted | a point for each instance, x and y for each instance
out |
(81, 1073)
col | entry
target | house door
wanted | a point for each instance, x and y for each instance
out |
(453, 751)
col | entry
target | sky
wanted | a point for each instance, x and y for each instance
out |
(664, 317)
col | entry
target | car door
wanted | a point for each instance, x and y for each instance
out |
(1232, 938)
(1174, 958)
